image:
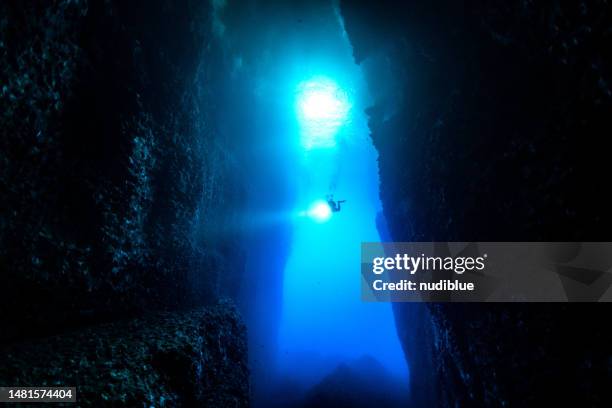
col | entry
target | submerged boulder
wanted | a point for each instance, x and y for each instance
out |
(196, 358)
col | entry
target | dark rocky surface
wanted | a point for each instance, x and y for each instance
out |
(169, 359)
(496, 128)
(362, 383)
(358, 383)
(119, 198)
(117, 190)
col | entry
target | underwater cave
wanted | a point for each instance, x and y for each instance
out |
(186, 187)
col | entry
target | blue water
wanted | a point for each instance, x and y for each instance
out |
(323, 320)
(300, 99)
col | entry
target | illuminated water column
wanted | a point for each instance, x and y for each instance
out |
(324, 322)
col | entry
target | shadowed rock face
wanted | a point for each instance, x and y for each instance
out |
(169, 359)
(359, 383)
(117, 194)
(495, 130)
(116, 188)
(362, 383)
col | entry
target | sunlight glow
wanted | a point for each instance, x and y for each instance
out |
(322, 109)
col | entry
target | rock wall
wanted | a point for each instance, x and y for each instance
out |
(169, 359)
(494, 127)
(120, 198)
(116, 187)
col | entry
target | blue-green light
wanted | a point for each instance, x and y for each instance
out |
(323, 109)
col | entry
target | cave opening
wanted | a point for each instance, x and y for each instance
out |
(322, 108)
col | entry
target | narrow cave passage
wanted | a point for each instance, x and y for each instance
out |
(323, 321)
(185, 185)
(301, 99)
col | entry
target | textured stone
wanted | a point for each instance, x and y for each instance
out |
(495, 128)
(196, 358)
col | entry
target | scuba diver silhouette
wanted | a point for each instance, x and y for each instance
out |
(334, 205)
